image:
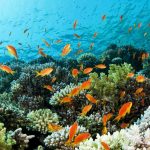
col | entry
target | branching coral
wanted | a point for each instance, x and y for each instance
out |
(55, 99)
(21, 139)
(58, 139)
(39, 120)
(105, 87)
(92, 122)
(6, 142)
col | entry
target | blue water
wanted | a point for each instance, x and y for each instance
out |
(53, 19)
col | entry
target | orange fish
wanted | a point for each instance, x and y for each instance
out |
(74, 92)
(54, 127)
(77, 36)
(121, 17)
(58, 41)
(86, 109)
(66, 100)
(101, 66)
(103, 17)
(106, 118)
(53, 79)
(6, 69)
(138, 91)
(91, 46)
(86, 85)
(125, 109)
(48, 87)
(142, 94)
(66, 50)
(75, 24)
(44, 72)
(140, 78)
(12, 51)
(72, 132)
(80, 138)
(46, 43)
(91, 98)
(95, 35)
(104, 131)
(130, 75)
(105, 145)
(75, 73)
(87, 70)
(42, 53)
(122, 94)
(124, 125)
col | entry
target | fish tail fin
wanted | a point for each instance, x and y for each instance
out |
(37, 74)
(68, 142)
(13, 72)
(117, 118)
(69, 95)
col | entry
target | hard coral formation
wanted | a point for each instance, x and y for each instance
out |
(39, 120)
(21, 139)
(125, 138)
(6, 141)
(55, 99)
(27, 106)
(106, 86)
(126, 53)
(58, 139)
(93, 122)
(11, 114)
(87, 59)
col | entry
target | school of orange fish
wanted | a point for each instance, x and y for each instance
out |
(122, 112)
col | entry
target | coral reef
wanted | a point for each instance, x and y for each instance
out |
(55, 99)
(105, 87)
(6, 141)
(27, 108)
(87, 59)
(11, 114)
(58, 139)
(125, 138)
(39, 119)
(119, 54)
(21, 139)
